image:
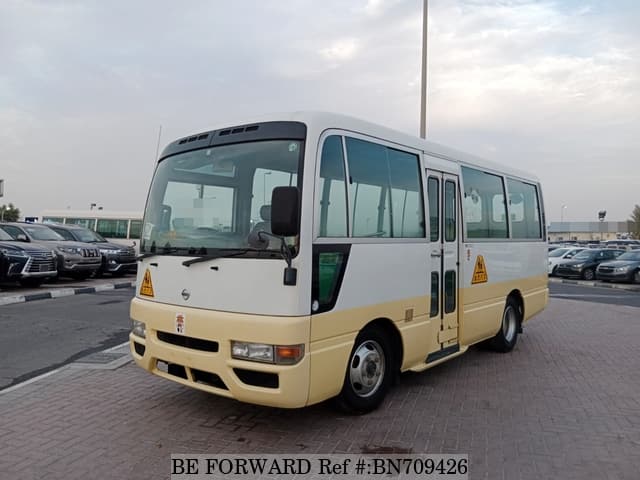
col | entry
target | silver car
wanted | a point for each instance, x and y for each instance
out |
(75, 259)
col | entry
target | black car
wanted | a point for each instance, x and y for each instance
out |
(30, 264)
(625, 268)
(584, 264)
(116, 259)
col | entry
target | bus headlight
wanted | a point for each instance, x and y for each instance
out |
(139, 329)
(261, 352)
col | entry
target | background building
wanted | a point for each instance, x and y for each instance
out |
(589, 230)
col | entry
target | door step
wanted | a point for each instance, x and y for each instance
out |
(445, 352)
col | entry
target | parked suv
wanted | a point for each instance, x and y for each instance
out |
(584, 264)
(30, 264)
(116, 259)
(75, 259)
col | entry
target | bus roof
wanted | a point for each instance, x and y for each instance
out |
(319, 121)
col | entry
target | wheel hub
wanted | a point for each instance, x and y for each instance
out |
(366, 371)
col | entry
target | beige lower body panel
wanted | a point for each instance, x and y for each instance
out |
(483, 305)
(221, 327)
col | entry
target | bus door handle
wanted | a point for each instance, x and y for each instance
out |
(436, 254)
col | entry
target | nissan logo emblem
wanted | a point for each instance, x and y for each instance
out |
(186, 294)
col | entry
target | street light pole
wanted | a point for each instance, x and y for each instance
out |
(562, 213)
(423, 85)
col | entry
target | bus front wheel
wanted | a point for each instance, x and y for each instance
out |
(369, 373)
(507, 336)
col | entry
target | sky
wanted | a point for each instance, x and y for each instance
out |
(551, 87)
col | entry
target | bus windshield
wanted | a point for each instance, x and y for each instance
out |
(214, 198)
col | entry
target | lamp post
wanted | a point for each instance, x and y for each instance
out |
(264, 187)
(562, 213)
(601, 216)
(423, 85)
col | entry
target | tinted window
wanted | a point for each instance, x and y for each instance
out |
(385, 191)
(66, 235)
(485, 212)
(449, 211)
(13, 231)
(135, 229)
(332, 189)
(83, 222)
(630, 256)
(449, 291)
(433, 191)
(113, 228)
(42, 233)
(435, 297)
(524, 208)
(4, 235)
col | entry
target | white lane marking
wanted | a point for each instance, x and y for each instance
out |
(30, 381)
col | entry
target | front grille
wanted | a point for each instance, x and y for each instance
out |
(188, 342)
(41, 261)
(90, 252)
(605, 269)
(127, 254)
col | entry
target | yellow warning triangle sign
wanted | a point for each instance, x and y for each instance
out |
(480, 271)
(147, 286)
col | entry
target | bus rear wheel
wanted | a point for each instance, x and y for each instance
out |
(507, 336)
(369, 373)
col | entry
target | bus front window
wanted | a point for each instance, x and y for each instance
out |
(214, 198)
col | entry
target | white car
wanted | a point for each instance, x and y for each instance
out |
(559, 254)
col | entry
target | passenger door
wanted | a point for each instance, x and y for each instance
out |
(442, 191)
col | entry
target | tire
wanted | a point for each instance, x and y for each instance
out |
(588, 274)
(369, 373)
(636, 277)
(553, 271)
(31, 282)
(507, 336)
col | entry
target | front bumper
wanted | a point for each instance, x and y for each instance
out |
(198, 366)
(68, 264)
(114, 265)
(568, 272)
(30, 267)
(626, 276)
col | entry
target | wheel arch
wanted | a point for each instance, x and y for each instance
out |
(516, 295)
(392, 332)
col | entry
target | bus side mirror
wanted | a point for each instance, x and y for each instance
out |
(21, 237)
(285, 211)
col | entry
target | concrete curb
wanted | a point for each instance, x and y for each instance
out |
(64, 292)
(585, 283)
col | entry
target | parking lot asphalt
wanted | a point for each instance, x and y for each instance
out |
(564, 404)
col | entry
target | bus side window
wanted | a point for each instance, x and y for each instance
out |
(332, 189)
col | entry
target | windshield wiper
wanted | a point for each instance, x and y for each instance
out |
(220, 254)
